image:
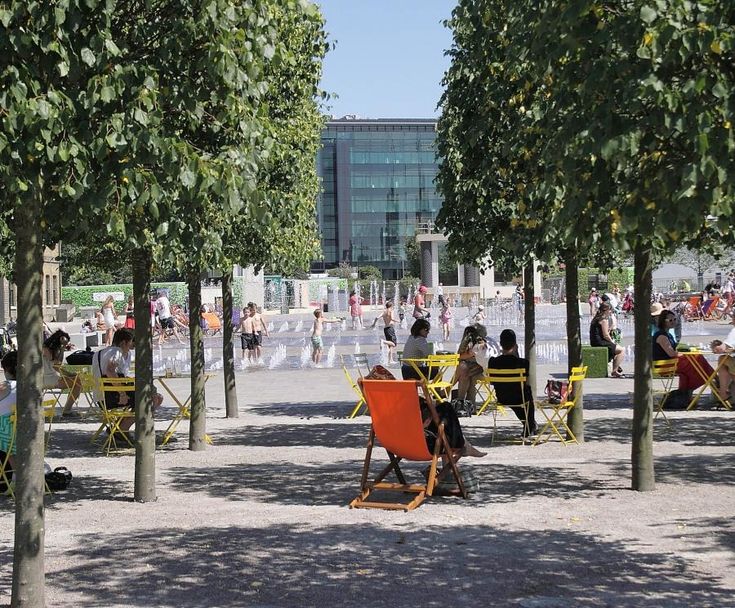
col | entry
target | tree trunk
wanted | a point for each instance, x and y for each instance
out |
(145, 435)
(28, 555)
(228, 354)
(574, 340)
(642, 449)
(198, 426)
(530, 325)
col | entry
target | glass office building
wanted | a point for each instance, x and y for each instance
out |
(377, 187)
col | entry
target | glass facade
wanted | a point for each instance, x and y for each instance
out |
(377, 186)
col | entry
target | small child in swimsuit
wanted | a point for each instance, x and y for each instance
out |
(317, 345)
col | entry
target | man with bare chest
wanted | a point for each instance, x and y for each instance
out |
(389, 329)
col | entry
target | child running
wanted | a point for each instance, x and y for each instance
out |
(317, 345)
(389, 330)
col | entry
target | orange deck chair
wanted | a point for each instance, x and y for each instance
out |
(397, 425)
(709, 308)
(214, 325)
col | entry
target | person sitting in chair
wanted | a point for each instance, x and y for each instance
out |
(114, 362)
(510, 393)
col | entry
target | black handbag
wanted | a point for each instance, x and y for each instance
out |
(58, 479)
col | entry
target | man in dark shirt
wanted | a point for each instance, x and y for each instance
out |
(510, 393)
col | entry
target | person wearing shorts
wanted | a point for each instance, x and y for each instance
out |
(389, 330)
(317, 344)
(251, 329)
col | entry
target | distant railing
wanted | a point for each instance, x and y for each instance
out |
(425, 227)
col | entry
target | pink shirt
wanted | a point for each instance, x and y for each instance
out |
(355, 308)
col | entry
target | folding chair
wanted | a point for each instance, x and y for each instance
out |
(85, 377)
(362, 359)
(664, 371)
(438, 366)
(6, 472)
(556, 414)
(709, 309)
(507, 376)
(56, 394)
(397, 425)
(113, 417)
(355, 387)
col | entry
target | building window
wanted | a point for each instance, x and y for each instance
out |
(12, 296)
(48, 291)
(56, 289)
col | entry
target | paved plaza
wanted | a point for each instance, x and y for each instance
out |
(261, 519)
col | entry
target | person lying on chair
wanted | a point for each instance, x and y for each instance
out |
(510, 394)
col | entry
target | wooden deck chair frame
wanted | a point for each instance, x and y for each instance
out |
(112, 418)
(508, 376)
(437, 367)
(397, 425)
(361, 404)
(556, 414)
(664, 371)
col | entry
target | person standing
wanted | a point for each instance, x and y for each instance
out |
(317, 344)
(252, 329)
(129, 311)
(109, 314)
(726, 373)
(356, 310)
(163, 307)
(445, 317)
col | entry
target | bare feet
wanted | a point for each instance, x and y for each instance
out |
(470, 450)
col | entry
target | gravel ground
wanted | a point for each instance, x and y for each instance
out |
(261, 519)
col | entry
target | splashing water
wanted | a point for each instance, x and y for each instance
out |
(283, 327)
(357, 347)
(305, 359)
(299, 326)
(331, 355)
(277, 357)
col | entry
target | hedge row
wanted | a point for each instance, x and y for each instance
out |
(82, 296)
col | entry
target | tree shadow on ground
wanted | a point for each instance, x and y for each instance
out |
(344, 435)
(692, 468)
(404, 564)
(694, 430)
(321, 484)
(328, 409)
(602, 401)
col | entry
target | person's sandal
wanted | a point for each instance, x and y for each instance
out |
(616, 374)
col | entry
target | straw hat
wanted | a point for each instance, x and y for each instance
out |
(656, 309)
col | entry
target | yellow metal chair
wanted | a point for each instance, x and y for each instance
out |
(361, 359)
(665, 372)
(85, 377)
(437, 368)
(49, 406)
(113, 417)
(506, 376)
(361, 403)
(556, 414)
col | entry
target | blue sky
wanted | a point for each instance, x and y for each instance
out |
(389, 58)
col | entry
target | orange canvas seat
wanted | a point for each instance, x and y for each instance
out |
(213, 323)
(397, 425)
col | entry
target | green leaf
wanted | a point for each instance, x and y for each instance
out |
(648, 14)
(88, 56)
(719, 90)
(63, 68)
(107, 94)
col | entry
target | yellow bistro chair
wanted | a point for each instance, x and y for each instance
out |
(437, 368)
(556, 414)
(361, 403)
(506, 376)
(113, 417)
(49, 407)
(663, 371)
(84, 375)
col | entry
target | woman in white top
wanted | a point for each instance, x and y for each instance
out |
(109, 314)
(53, 377)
